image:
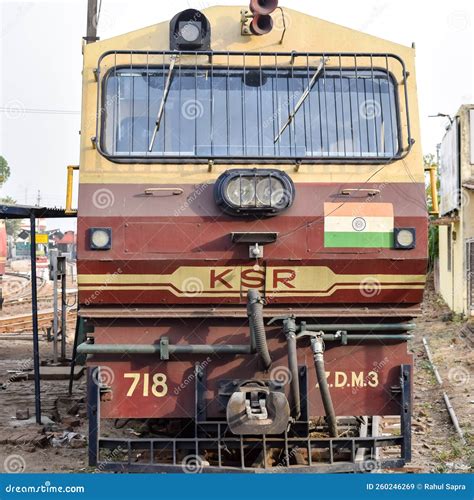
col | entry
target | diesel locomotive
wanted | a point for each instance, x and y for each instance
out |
(252, 243)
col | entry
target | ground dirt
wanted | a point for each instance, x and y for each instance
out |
(436, 446)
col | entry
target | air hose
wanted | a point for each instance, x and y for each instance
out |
(293, 367)
(317, 346)
(257, 327)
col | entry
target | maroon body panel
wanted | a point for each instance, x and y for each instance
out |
(158, 234)
(155, 237)
(360, 376)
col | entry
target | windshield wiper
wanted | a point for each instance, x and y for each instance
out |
(302, 98)
(166, 92)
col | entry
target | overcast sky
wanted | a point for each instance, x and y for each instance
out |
(40, 70)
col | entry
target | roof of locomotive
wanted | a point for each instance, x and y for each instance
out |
(304, 33)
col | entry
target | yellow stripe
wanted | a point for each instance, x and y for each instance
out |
(198, 174)
(295, 293)
(307, 281)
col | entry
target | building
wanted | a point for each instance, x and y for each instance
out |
(67, 244)
(456, 223)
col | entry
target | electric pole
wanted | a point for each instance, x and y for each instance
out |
(91, 33)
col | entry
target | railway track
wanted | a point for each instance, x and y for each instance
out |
(21, 291)
(27, 300)
(23, 322)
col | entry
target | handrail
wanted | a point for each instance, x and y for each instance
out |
(432, 169)
(70, 179)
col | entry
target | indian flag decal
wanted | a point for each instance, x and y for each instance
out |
(358, 225)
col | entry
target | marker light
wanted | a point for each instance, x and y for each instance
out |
(100, 238)
(405, 238)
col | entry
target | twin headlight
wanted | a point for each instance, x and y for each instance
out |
(266, 192)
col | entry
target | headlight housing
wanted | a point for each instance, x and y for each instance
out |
(404, 238)
(100, 238)
(260, 191)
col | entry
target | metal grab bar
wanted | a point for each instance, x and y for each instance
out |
(368, 192)
(70, 179)
(163, 349)
(433, 170)
(174, 191)
(393, 327)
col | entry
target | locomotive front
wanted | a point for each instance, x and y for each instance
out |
(252, 242)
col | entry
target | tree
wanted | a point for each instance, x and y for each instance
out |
(13, 225)
(4, 170)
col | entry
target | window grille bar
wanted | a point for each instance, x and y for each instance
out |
(327, 128)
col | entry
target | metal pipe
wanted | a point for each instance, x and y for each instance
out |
(34, 312)
(74, 353)
(69, 188)
(53, 259)
(318, 350)
(357, 327)
(86, 348)
(290, 327)
(434, 189)
(449, 406)
(430, 359)
(331, 337)
(63, 309)
(255, 314)
(454, 418)
(91, 33)
(210, 349)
